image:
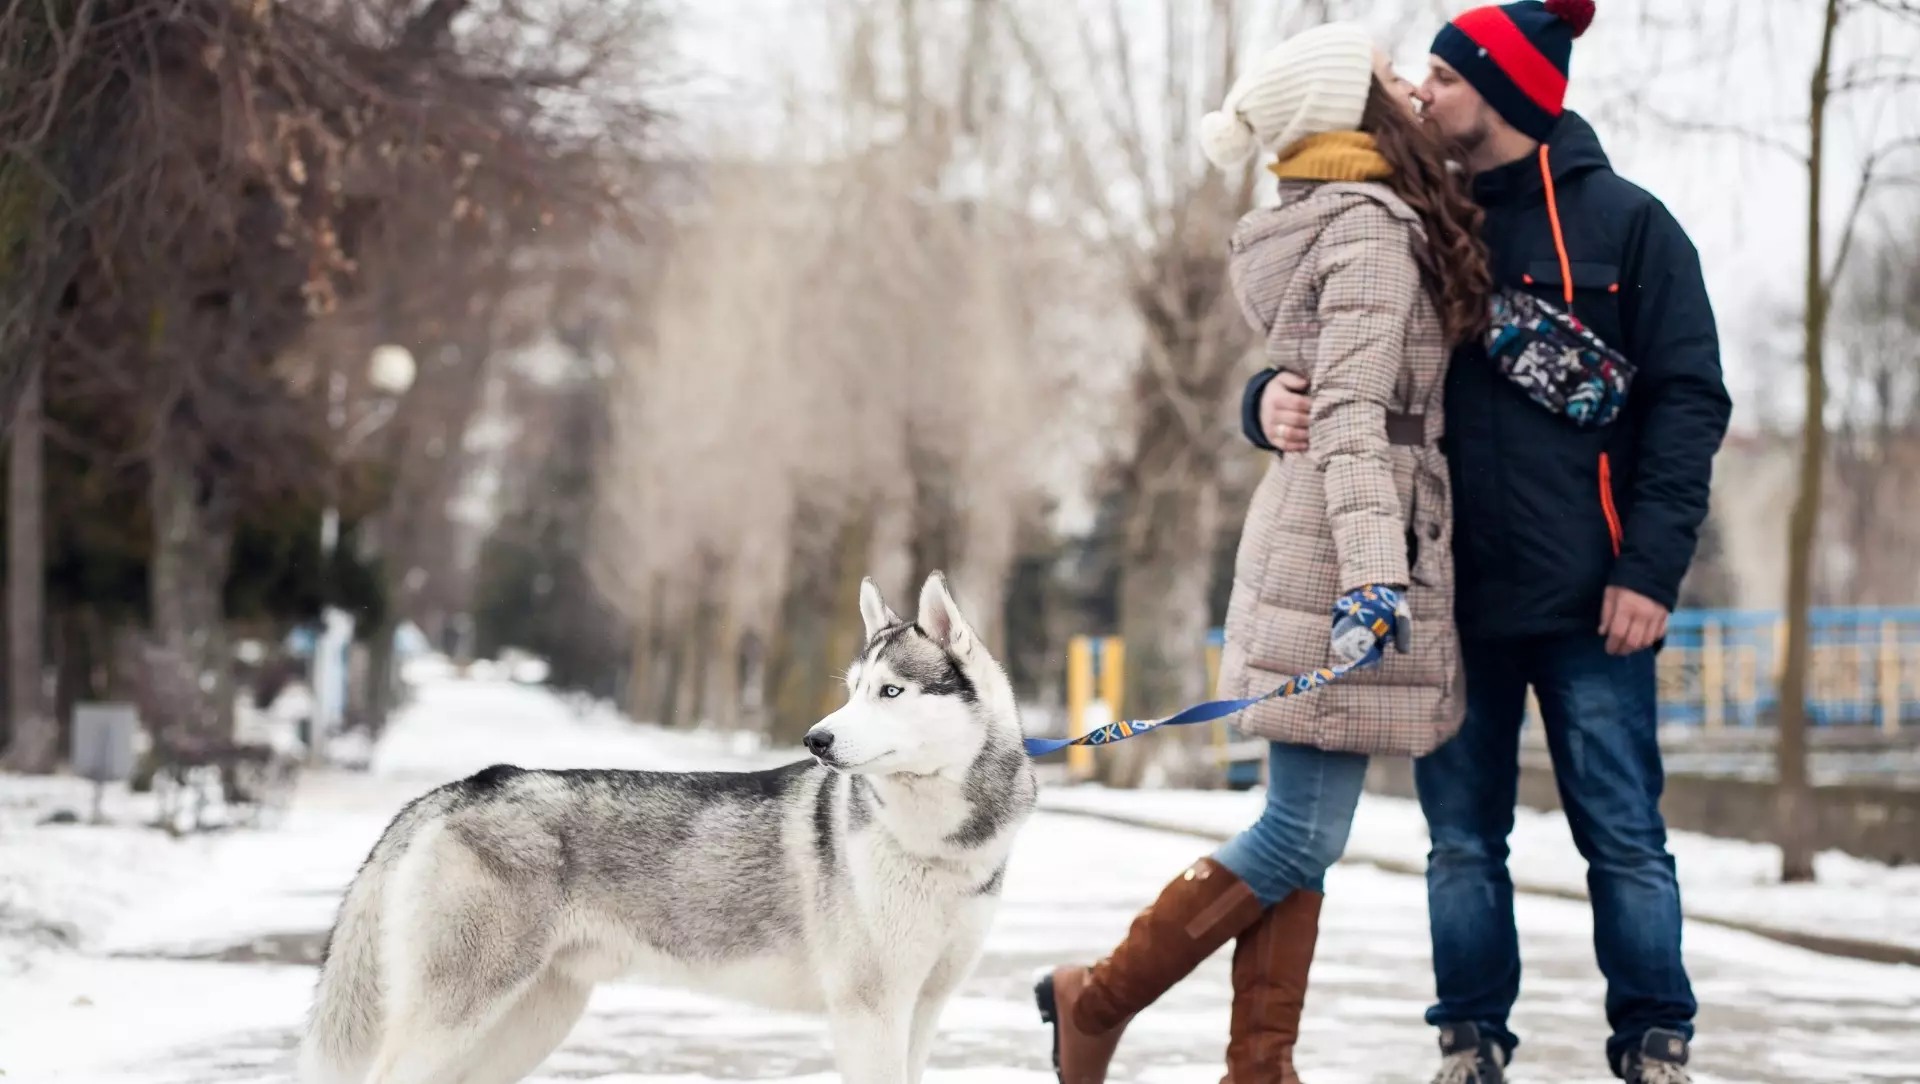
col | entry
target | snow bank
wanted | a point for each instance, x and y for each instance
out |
(66, 886)
(1725, 879)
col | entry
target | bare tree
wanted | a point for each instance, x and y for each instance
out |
(1863, 54)
(199, 181)
(1876, 450)
(845, 378)
(37, 58)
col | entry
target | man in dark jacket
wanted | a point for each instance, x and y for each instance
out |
(1569, 545)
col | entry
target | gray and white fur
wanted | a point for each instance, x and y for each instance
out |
(859, 884)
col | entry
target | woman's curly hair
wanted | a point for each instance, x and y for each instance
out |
(1453, 262)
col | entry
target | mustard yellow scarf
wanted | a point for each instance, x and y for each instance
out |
(1333, 156)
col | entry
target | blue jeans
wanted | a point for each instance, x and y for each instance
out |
(1598, 710)
(1311, 795)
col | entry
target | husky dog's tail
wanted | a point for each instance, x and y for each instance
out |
(343, 1031)
(344, 1028)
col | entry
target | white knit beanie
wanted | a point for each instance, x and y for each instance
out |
(1313, 82)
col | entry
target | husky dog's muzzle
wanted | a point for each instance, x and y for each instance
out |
(820, 743)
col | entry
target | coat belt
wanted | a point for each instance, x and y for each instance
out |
(1406, 429)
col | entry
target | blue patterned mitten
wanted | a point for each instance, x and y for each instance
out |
(1367, 617)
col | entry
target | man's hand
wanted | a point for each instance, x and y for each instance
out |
(1630, 621)
(1286, 411)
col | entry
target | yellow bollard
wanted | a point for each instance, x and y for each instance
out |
(1889, 677)
(1079, 692)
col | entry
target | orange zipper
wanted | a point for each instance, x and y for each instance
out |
(1606, 502)
(1559, 239)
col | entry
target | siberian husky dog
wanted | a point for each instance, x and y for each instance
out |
(859, 884)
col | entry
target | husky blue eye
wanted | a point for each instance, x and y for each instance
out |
(891, 691)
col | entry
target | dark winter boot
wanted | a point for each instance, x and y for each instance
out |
(1467, 1057)
(1661, 1058)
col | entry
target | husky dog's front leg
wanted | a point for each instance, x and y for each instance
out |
(954, 967)
(870, 1044)
(926, 1024)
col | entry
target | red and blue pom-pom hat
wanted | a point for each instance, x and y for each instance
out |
(1516, 56)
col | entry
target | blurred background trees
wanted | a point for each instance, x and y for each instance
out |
(477, 320)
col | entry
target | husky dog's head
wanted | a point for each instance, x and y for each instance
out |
(925, 697)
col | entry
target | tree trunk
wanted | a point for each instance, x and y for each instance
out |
(934, 526)
(193, 526)
(381, 664)
(1163, 616)
(752, 657)
(6, 684)
(36, 733)
(74, 672)
(845, 629)
(1793, 794)
(891, 563)
(703, 633)
(980, 583)
(643, 687)
(722, 688)
(798, 666)
(720, 650)
(685, 710)
(639, 663)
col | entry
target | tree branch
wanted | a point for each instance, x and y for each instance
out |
(1862, 193)
(1904, 9)
(1079, 158)
(1879, 70)
(425, 32)
(1688, 126)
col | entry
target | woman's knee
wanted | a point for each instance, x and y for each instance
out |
(1293, 848)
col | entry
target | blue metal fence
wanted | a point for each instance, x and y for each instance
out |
(1721, 668)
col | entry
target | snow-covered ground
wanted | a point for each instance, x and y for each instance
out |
(1719, 878)
(190, 962)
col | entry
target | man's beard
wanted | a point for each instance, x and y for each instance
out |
(1469, 141)
(1456, 149)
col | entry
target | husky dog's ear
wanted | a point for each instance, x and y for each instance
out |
(940, 616)
(874, 609)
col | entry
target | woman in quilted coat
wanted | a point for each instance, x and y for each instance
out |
(1361, 280)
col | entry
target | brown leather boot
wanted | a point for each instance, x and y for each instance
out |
(1270, 966)
(1089, 1008)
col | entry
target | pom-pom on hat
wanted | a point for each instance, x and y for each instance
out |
(1516, 56)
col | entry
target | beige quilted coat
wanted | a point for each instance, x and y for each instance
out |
(1329, 277)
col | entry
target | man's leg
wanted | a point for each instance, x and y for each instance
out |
(1601, 726)
(1467, 789)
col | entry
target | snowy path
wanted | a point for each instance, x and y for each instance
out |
(208, 984)
(1726, 879)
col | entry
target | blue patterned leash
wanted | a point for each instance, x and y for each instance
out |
(1375, 609)
(1216, 709)
(1203, 713)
